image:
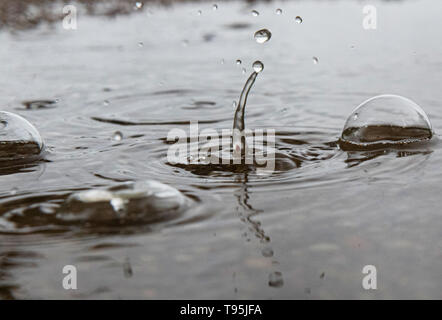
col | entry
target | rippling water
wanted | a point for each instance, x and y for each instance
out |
(306, 231)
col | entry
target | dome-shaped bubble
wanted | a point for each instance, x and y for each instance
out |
(383, 121)
(19, 139)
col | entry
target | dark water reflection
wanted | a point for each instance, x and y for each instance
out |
(305, 231)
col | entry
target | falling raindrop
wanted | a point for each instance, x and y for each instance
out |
(315, 60)
(117, 136)
(278, 11)
(255, 13)
(298, 19)
(275, 279)
(262, 36)
(258, 66)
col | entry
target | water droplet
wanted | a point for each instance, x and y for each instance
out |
(138, 5)
(244, 70)
(200, 12)
(262, 35)
(258, 66)
(315, 60)
(185, 43)
(298, 19)
(234, 104)
(278, 11)
(118, 136)
(275, 279)
(383, 121)
(14, 191)
(255, 13)
(238, 62)
(106, 102)
(215, 7)
(140, 44)
(267, 252)
(222, 61)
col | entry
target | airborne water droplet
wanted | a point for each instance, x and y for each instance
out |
(298, 19)
(106, 102)
(118, 136)
(262, 35)
(238, 62)
(140, 44)
(275, 279)
(258, 66)
(278, 11)
(215, 7)
(315, 60)
(244, 70)
(200, 12)
(255, 13)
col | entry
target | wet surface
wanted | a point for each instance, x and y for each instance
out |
(104, 105)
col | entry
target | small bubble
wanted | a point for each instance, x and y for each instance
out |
(215, 7)
(275, 279)
(238, 62)
(258, 66)
(262, 35)
(298, 19)
(118, 136)
(140, 44)
(315, 60)
(278, 11)
(255, 13)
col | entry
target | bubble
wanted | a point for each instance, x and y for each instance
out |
(255, 13)
(238, 62)
(262, 36)
(275, 279)
(315, 60)
(385, 120)
(19, 139)
(215, 7)
(298, 19)
(117, 136)
(258, 66)
(278, 11)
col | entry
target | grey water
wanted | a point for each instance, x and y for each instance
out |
(105, 199)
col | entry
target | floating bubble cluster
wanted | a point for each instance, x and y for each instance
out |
(385, 120)
(19, 139)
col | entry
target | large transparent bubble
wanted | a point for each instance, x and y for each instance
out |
(19, 139)
(385, 121)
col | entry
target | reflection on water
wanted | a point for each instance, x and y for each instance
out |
(105, 105)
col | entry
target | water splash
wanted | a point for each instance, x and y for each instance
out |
(238, 120)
